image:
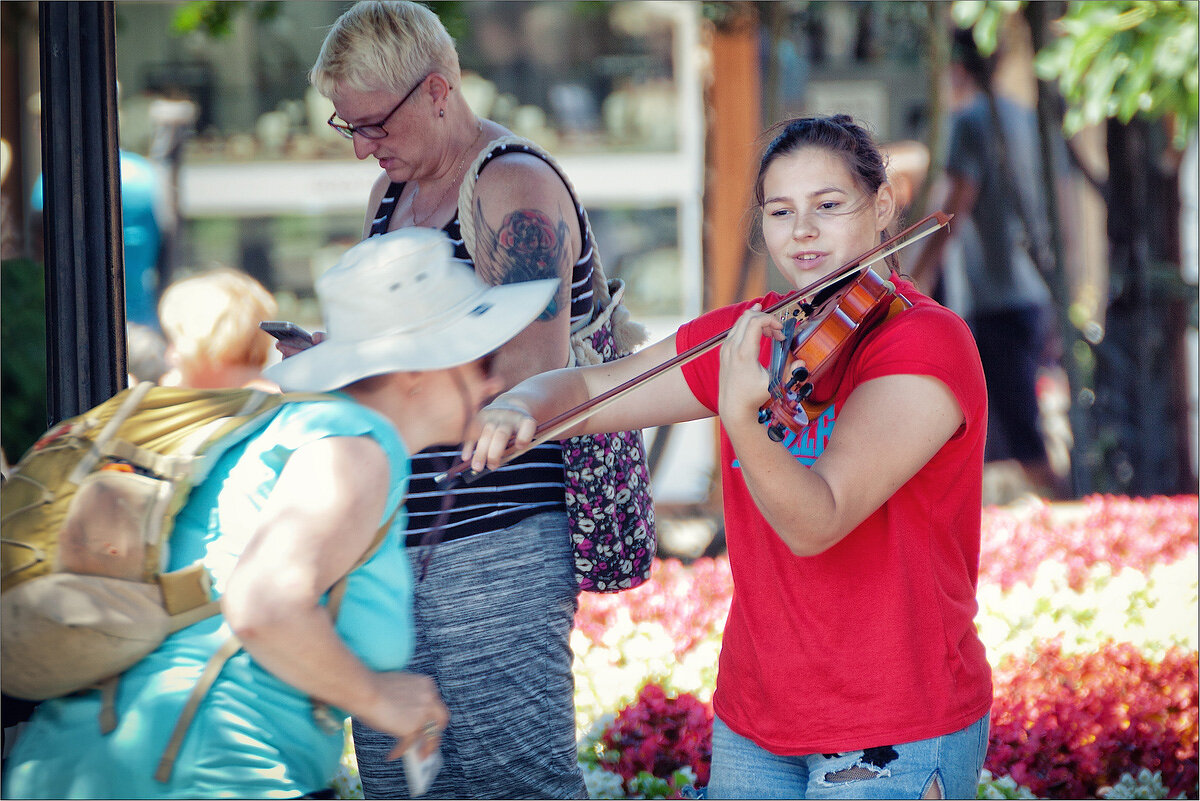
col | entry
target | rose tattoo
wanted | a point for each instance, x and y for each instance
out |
(527, 246)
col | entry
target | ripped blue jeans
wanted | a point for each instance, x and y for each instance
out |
(742, 769)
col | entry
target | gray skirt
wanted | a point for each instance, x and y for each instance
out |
(493, 622)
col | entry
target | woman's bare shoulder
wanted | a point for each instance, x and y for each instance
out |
(520, 175)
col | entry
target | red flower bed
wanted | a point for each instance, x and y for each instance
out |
(1063, 725)
(661, 735)
(692, 601)
(1122, 532)
(1066, 725)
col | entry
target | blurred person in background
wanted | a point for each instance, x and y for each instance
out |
(992, 169)
(141, 202)
(210, 322)
(145, 353)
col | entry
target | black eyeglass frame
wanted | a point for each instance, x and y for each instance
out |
(376, 129)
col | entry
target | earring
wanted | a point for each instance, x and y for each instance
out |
(441, 112)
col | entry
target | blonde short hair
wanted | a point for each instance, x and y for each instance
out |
(380, 45)
(213, 318)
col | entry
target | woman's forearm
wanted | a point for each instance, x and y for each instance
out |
(546, 395)
(294, 638)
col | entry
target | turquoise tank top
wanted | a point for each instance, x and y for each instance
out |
(253, 736)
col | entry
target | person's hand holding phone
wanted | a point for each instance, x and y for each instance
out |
(292, 338)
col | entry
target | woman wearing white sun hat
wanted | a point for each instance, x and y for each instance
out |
(279, 519)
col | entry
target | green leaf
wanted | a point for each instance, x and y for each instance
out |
(1122, 59)
(965, 13)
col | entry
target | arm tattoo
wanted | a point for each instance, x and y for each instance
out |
(527, 246)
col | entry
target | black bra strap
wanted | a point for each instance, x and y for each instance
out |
(387, 207)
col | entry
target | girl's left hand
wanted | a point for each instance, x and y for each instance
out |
(744, 381)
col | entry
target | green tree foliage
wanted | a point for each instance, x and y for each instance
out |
(216, 18)
(23, 369)
(1113, 59)
(1118, 59)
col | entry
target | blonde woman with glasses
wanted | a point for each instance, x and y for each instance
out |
(496, 608)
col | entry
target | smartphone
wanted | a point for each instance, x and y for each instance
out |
(420, 772)
(283, 330)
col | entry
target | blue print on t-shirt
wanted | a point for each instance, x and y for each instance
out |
(810, 443)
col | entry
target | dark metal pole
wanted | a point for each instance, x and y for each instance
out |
(85, 257)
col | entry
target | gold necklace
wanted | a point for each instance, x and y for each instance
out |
(458, 176)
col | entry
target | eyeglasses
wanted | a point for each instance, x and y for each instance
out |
(373, 130)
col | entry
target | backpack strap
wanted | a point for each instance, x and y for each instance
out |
(322, 712)
(176, 466)
(187, 595)
(127, 407)
(334, 603)
(108, 703)
(211, 670)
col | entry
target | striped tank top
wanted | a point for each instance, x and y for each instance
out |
(531, 483)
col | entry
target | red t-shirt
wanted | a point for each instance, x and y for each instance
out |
(872, 642)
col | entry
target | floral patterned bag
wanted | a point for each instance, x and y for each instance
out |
(610, 513)
(609, 508)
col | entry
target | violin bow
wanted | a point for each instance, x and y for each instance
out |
(558, 424)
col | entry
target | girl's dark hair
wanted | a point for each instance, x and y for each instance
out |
(839, 134)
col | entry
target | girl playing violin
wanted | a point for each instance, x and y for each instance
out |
(850, 665)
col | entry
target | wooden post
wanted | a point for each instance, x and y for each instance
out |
(733, 272)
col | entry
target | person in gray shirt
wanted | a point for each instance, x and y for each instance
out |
(999, 228)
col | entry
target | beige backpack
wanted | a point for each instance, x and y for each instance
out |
(86, 519)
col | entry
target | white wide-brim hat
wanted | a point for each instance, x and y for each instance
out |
(401, 302)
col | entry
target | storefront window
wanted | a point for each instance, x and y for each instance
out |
(571, 76)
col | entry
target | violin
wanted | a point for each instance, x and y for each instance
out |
(821, 334)
(819, 306)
